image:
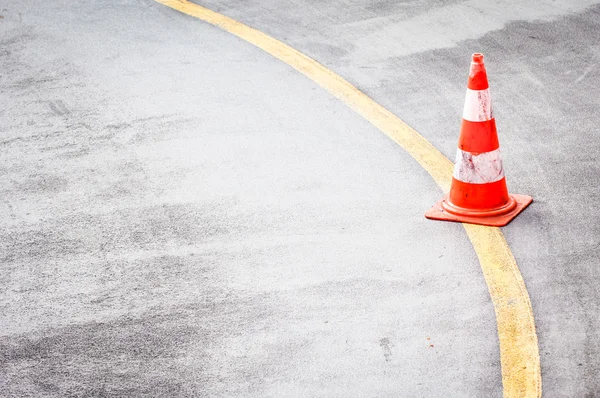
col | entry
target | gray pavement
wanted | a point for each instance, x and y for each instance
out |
(543, 61)
(183, 215)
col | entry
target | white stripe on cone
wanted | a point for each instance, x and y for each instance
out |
(478, 106)
(482, 168)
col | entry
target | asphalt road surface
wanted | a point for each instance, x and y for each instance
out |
(181, 214)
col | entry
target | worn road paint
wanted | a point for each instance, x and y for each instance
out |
(521, 376)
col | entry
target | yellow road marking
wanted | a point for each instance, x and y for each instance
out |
(519, 356)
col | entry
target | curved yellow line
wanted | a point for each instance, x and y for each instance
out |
(519, 356)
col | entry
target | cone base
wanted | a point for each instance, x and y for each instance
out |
(490, 218)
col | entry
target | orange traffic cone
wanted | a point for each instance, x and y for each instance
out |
(478, 194)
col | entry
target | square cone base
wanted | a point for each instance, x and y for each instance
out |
(437, 212)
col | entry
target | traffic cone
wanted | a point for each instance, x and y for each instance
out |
(478, 194)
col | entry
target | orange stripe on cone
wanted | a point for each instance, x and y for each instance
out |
(478, 197)
(477, 74)
(478, 194)
(477, 137)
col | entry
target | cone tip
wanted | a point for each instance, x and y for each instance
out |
(478, 58)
